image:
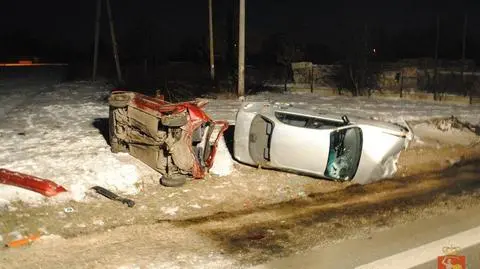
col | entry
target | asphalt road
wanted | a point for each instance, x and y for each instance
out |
(415, 245)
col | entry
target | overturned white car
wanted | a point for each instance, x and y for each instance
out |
(280, 136)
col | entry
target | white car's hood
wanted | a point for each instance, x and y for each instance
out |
(380, 153)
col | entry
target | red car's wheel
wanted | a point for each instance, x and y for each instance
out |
(173, 180)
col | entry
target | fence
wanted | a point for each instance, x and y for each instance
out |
(400, 80)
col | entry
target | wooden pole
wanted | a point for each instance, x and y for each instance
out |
(241, 50)
(97, 39)
(114, 43)
(435, 75)
(212, 52)
(312, 79)
(401, 83)
(464, 46)
(464, 39)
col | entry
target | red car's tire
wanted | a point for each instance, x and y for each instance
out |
(173, 180)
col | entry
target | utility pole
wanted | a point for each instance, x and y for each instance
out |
(366, 58)
(435, 75)
(241, 50)
(114, 43)
(464, 39)
(97, 38)
(464, 46)
(212, 51)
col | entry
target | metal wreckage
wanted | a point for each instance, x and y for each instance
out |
(175, 139)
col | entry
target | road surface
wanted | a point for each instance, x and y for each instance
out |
(414, 245)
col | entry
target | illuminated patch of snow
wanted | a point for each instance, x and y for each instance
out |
(223, 162)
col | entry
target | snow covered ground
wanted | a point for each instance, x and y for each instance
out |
(53, 131)
(388, 110)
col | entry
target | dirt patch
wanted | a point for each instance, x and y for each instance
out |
(282, 229)
(249, 238)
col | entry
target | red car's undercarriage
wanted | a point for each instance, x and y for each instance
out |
(173, 138)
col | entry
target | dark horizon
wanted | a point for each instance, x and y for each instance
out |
(399, 29)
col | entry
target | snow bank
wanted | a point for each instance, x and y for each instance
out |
(223, 162)
(57, 132)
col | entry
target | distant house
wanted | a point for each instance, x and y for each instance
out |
(419, 74)
(403, 75)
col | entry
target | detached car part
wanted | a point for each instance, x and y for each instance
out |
(175, 139)
(324, 145)
(23, 242)
(43, 186)
(112, 196)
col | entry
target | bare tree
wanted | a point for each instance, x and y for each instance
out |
(280, 50)
(114, 42)
(357, 65)
(285, 54)
(97, 39)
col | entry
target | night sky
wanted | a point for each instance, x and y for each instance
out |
(70, 24)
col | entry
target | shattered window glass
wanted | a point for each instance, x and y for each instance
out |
(344, 154)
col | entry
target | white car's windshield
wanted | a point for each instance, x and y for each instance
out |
(344, 154)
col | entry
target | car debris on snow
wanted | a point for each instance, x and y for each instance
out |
(43, 186)
(68, 210)
(112, 196)
(23, 241)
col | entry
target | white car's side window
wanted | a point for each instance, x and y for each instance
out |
(307, 122)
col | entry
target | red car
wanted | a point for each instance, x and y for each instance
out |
(175, 139)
